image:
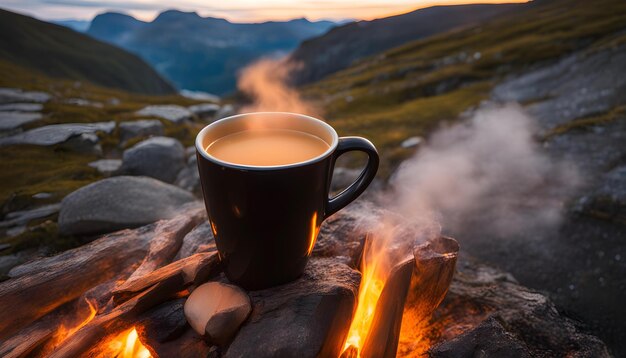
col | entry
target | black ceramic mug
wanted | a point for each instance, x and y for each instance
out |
(265, 219)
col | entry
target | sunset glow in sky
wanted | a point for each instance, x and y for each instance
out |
(233, 10)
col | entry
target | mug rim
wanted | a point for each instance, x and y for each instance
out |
(207, 128)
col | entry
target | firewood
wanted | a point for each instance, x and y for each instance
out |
(188, 345)
(192, 270)
(200, 239)
(382, 339)
(168, 239)
(41, 286)
(216, 310)
(118, 320)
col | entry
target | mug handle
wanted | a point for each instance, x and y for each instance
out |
(348, 144)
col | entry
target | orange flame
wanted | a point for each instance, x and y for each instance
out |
(374, 271)
(64, 332)
(128, 345)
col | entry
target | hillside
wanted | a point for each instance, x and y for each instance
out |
(202, 53)
(60, 52)
(559, 63)
(411, 89)
(343, 45)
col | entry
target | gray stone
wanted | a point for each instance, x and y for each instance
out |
(158, 157)
(117, 203)
(24, 216)
(12, 120)
(57, 133)
(87, 143)
(42, 196)
(107, 166)
(11, 95)
(199, 95)
(189, 177)
(21, 107)
(500, 318)
(411, 142)
(83, 102)
(227, 110)
(306, 318)
(170, 112)
(140, 128)
(204, 110)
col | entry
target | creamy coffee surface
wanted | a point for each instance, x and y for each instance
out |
(267, 147)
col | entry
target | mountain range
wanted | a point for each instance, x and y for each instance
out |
(342, 45)
(202, 53)
(63, 53)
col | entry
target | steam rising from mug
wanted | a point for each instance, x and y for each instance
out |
(266, 83)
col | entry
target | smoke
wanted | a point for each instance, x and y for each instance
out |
(489, 171)
(266, 83)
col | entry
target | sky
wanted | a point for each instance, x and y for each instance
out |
(233, 10)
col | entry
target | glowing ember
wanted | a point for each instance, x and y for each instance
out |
(63, 332)
(128, 345)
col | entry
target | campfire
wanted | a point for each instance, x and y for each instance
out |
(124, 295)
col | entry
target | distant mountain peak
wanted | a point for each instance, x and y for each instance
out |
(174, 14)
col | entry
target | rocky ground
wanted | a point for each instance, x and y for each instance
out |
(580, 106)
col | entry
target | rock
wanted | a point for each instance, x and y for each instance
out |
(140, 128)
(107, 167)
(12, 95)
(42, 196)
(23, 217)
(227, 110)
(488, 339)
(411, 142)
(83, 102)
(498, 317)
(158, 157)
(199, 95)
(172, 113)
(608, 199)
(87, 143)
(309, 317)
(12, 120)
(117, 203)
(204, 110)
(57, 133)
(189, 177)
(21, 107)
(216, 310)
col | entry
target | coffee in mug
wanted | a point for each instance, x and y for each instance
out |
(267, 147)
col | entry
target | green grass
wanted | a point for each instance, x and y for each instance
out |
(412, 89)
(588, 122)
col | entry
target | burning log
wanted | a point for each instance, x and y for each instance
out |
(216, 310)
(39, 287)
(382, 339)
(168, 239)
(180, 274)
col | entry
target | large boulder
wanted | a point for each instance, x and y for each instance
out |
(158, 157)
(189, 177)
(140, 128)
(57, 133)
(170, 112)
(117, 203)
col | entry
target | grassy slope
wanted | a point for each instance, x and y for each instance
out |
(26, 170)
(64, 53)
(411, 89)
